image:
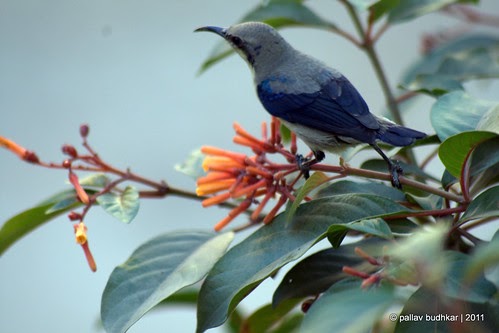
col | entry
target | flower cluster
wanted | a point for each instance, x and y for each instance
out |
(250, 180)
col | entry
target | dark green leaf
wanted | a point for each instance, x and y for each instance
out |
(382, 7)
(485, 256)
(410, 9)
(448, 65)
(25, 222)
(480, 290)
(275, 245)
(193, 165)
(484, 168)
(484, 206)
(426, 312)
(348, 308)
(448, 179)
(123, 206)
(376, 227)
(156, 270)
(454, 151)
(277, 13)
(348, 186)
(267, 317)
(458, 112)
(316, 273)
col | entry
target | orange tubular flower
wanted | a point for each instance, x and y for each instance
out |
(20, 151)
(81, 238)
(234, 175)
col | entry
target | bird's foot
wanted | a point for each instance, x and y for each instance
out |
(304, 165)
(396, 171)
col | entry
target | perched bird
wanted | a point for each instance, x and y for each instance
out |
(313, 100)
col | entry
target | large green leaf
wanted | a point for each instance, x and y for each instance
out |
(458, 112)
(484, 206)
(409, 9)
(347, 308)
(23, 223)
(444, 68)
(277, 13)
(454, 151)
(124, 205)
(348, 186)
(156, 270)
(275, 245)
(316, 273)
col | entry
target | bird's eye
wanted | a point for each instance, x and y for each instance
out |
(236, 41)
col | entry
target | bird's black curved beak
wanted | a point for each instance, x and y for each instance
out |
(219, 31)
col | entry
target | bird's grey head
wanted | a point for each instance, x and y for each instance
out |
(258, 43)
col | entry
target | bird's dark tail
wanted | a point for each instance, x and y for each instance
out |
(397, 135)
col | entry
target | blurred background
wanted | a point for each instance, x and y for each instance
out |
(129, 70)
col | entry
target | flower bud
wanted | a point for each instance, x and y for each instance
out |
(84, 129)
(70, 151)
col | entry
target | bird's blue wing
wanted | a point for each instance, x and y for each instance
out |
(337, 108)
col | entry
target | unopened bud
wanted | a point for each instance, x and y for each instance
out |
(74, 216)
(69, 150)
(31, 157)
(84, 129)
(66, 164)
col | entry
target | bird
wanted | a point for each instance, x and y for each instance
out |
(315, 101)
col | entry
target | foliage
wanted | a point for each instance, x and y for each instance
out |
(415, 253)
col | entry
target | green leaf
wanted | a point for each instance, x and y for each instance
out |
(486, 205)
(314, 181)
(123, 206)
(348, 308)
(425, 311)
(348, 186)
(485, 155)
(480, 290)
(458, 112)
(267, 317)
(424, 249)
(376, 227)
(454, 151)
(193, 165)
(316, 273)
(98, 180)
(447, 66)
(410, 9)
(277, 13)
(23, 223)
(486, 255)
(276, 244)
(156, 270)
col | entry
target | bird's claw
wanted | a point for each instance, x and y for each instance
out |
(303, 165)
(396, 171)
